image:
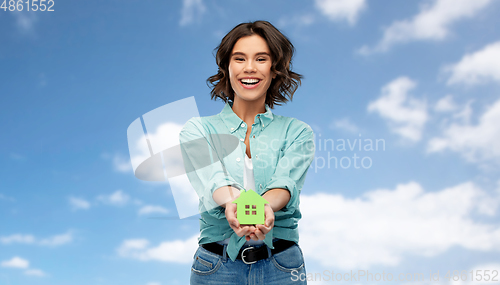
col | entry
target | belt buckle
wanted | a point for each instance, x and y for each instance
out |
(243, 256)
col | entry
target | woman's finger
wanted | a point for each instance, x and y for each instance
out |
(269, 213)
(231, 215)
(259, 234)
(253, 237)
(248, 230)
(263, 229)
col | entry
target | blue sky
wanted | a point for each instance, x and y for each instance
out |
(422, 76)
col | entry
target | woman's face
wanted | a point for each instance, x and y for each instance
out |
(250, 69)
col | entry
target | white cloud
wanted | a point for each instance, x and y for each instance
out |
(298, 20)
(35, 272)
(341, 10)
(53, 241)
(344, 124)
(7, 198)
(16, 262)
(445, 104)
(177, 251)
(133, 244)
(477, 143)
(42, 80)
(20, 263)
(25, 21)
(17, 156)
(150, 209)
(137, 202)
(383, 226)
(17, 238)
(191, 9)
(122, 164)
(431, 23)
(465, 113)
(78, 203)
(118, 198)
(476, 68)
(405, 115)
(57, 240)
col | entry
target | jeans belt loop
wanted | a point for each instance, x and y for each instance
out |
(224, 253)
(269, 252)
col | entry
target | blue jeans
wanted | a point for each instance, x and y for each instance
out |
(282, 268)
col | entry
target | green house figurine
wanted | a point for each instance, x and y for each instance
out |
(250, 208)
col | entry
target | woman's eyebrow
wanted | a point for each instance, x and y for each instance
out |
(257, 54)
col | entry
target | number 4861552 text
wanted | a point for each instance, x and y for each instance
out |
(28, 5)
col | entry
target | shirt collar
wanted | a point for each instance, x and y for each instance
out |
(233, 122)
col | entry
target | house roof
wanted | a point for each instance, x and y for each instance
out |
(250, 196)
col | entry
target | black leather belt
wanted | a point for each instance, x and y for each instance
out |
(250, 254)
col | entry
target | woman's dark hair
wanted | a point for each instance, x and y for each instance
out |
(286, 82)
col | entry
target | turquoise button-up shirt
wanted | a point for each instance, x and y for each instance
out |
(282, 150)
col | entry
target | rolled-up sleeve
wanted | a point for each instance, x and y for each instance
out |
(295, 159)
(202, 163)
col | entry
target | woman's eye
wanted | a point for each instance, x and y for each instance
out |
(239, 59)
(261, 59)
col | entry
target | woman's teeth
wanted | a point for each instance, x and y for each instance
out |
(250, 81)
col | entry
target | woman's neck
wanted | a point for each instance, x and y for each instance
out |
(247, 110)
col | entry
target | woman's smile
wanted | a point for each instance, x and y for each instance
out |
(250, 82)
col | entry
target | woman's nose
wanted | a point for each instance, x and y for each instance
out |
(249, 66)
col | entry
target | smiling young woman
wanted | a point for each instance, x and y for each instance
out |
(272, 158)
(250, 72)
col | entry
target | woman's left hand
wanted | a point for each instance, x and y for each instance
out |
(261, 230)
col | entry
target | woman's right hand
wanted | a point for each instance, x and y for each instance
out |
(240, 230)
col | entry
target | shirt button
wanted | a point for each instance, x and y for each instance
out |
(242, 140)
(260, 186)
(253, 136)
(243, 125)
(262, 125)
(238, 159)
(256, 157)
(232, 129)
